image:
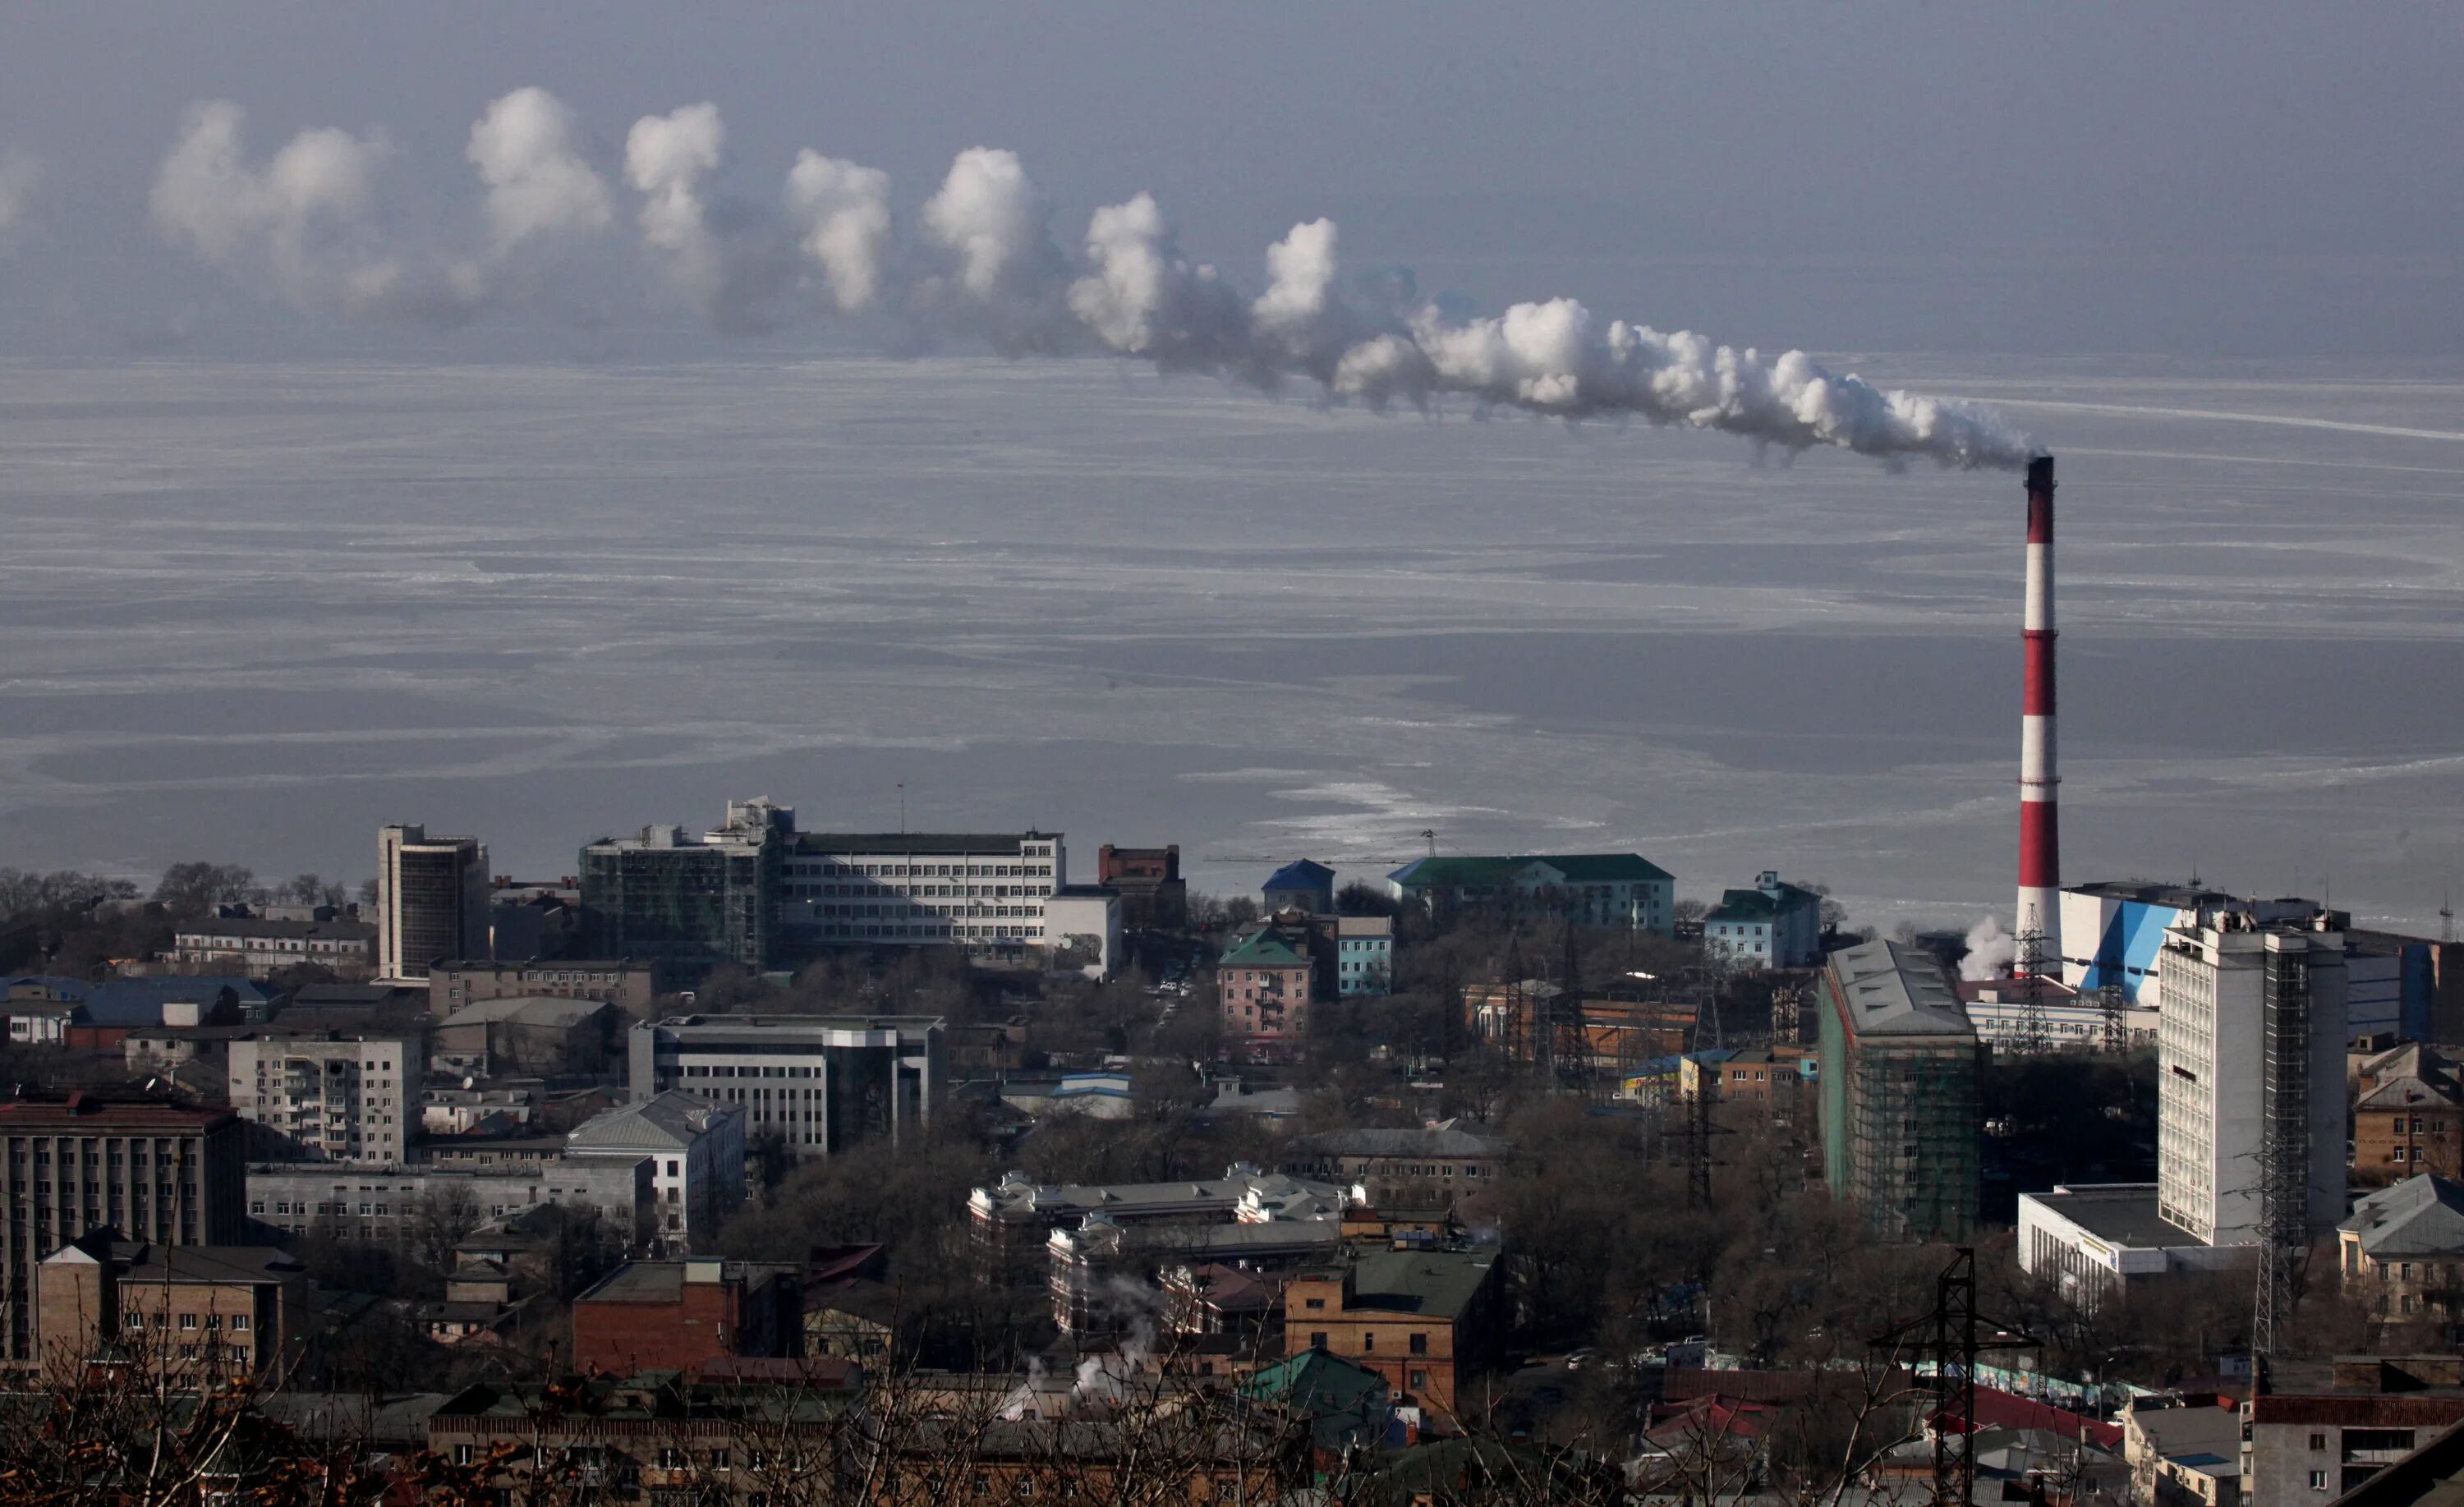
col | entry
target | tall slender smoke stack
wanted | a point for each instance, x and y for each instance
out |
(2040, 854)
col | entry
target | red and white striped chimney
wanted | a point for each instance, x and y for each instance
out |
(2041, 852)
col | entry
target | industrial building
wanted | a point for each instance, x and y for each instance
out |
(431, 900)
(1591, 889)
(1899, 1084)
(821, 1082)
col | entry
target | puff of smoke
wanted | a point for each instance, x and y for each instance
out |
(207, 194)
(666, 156)
(1021, 1400)
(991, 217)
(19, 173)
(1142, 297)
(302, 217)
(538, 180)
(844, 211)
(1990, 950)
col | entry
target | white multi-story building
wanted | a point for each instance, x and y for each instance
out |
(696, 1147)
(393, 1206)
(2249, 1054)
(431, 900)
(258, 946)
(821, 1082)
(919, 889)
(339, 1101)
(1773, 925)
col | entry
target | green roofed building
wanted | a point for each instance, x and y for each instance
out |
(1265, 981)
(1773, 925)
(1900, 1064)
(1596, 889)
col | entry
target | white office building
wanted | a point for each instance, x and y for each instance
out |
(696, 1146)
(2250, 1042)
(2241, 1002)
(980, 891)
(431, 900)
(821, 1082)
(349, 1099)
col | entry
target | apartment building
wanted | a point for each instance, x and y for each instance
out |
(150, 1168)
(1153, 893)
(2400, 1253)
(328, 1098)
(821, 1082)
(1431, 1167)
(1265, 982)
(978, 890)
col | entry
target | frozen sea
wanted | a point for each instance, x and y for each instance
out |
(249, 612)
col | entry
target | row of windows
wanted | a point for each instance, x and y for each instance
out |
(927, 871)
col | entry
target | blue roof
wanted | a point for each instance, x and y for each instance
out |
(138, 1002)
(61, 988)
(1301, 874)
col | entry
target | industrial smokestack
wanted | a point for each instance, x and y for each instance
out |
(2039, 924)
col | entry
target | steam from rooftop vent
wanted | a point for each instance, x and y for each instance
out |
(980, 260)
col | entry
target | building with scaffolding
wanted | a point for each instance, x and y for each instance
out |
(2250, 1119)
(2250, 1074)
(1898, 1085)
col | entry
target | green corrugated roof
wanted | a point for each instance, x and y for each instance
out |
(1579, 868)
(1314, 1381)
(1265, 950)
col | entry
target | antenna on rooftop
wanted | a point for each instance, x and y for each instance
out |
(1429, 835)
(2446, 916)
(902, 808)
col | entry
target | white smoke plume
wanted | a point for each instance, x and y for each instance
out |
(19, 173)
(983, 263)
(1992, 950)
(666, 158)
(538, 183)
(843, 210)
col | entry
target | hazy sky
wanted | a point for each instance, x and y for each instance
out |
(2233, 180)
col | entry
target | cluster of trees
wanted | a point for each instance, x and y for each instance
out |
(66, 921)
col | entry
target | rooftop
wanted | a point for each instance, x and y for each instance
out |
(664, 1282)
(825, 1030)
(139, 1001)
(529, 1010)
(2118, 1213)
(1438, 1284)
(2419, 1217)
(341, 930)
(1573, 868)
(671, 1120)
(1893, 989)
(1019, 1197)
(1265, 950)
(1302, 874)
(897, 843)
(83, 1110)
(1456, 1136)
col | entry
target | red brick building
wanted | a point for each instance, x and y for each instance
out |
(1152, 890)
(663, 1315)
